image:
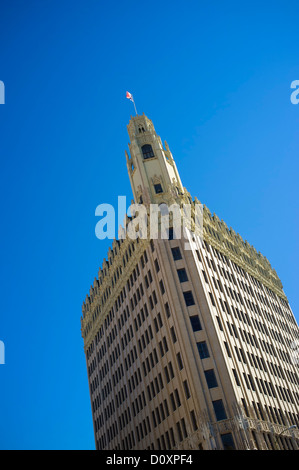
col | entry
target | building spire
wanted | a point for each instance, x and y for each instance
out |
(152, 170)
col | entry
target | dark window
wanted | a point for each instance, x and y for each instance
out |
(177, 397)
(189, 298)
(236, 378)
(176, 253)
(180, 362)
(162, 288)
(195, 323)
(227, 349)
(203, 349)
(167, 309)
(171, 370)
(172, 402)
(157, 266)
(219, 410)
(211, 378)
(179, 431)
(186, 389)
(182, 275)
(184, 427)
(212, 299)
(227, 441)
(219, 323)
(167, 374)
(147, 151)
(193, 419)
(158, 188)
(172, 331)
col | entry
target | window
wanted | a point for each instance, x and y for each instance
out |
(189, 298)
(193, 419)
(166, 374)
(195, 323)
(203, 350)
(227, 349)
(179, 431)
(167, 309)
(158, 188)
(172, 401)
(236, 378)
(227, 441)
(177, 397)
(219, 410)
(157, 266)
(171, 370)
(212, 299)
(180, 361)
(186, 389)
(184, 428)
(173, 335)
(211, 378)
(147, 151)
(219, 323)
(182, 275)
(176, 253)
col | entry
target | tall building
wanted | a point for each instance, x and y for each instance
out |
(187, 348)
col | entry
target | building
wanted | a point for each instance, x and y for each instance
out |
(187, 349)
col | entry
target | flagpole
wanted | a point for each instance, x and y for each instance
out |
(131, 98)
(134, 105)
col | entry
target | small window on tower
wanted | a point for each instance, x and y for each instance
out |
(147, 151)
(158, 188)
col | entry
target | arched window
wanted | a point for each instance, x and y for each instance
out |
(147, 151)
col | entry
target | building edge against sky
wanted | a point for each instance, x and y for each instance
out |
(187, 349)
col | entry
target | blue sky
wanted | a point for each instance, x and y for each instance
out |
(215, 79)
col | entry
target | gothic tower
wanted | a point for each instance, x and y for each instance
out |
(152, 170)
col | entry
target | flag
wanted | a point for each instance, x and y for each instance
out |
(129, 96)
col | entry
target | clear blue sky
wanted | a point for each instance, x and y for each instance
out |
(215, 79)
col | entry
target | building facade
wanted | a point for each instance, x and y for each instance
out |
(188, 348)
